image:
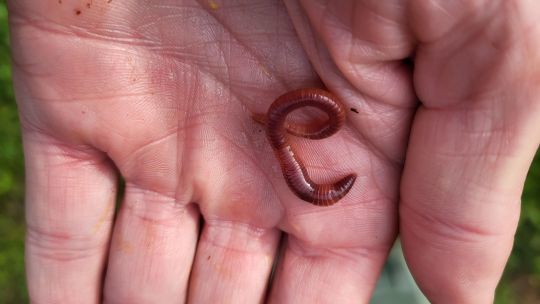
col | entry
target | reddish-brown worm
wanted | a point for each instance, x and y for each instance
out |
(293, 169)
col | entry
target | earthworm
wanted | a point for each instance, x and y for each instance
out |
(293, 169)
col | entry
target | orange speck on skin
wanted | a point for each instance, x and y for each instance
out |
(213, 5)
(106, 215)
(124, 246)
(265, 71)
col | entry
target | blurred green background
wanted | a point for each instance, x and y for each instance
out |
(520, 283)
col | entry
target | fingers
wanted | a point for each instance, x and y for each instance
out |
(360, 59)
(152, 249)
(460, 204)
(458, 212)
(310, 275)
(70, 196)
(470, 147)
(366, 43)
(233, 263)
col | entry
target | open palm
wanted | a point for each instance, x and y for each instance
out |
(162, 93)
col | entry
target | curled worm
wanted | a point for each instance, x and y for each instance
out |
(292, 166)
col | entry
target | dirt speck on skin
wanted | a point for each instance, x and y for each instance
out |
(354, 110)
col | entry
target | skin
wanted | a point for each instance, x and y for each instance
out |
(160, 94)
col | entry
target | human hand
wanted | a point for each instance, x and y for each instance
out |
(162, 93)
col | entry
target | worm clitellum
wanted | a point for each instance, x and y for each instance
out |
(292, 166)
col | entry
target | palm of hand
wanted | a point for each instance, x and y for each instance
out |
(164, 94)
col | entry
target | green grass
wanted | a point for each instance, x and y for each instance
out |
(520, 283)
(521, 279)
(12, 277)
